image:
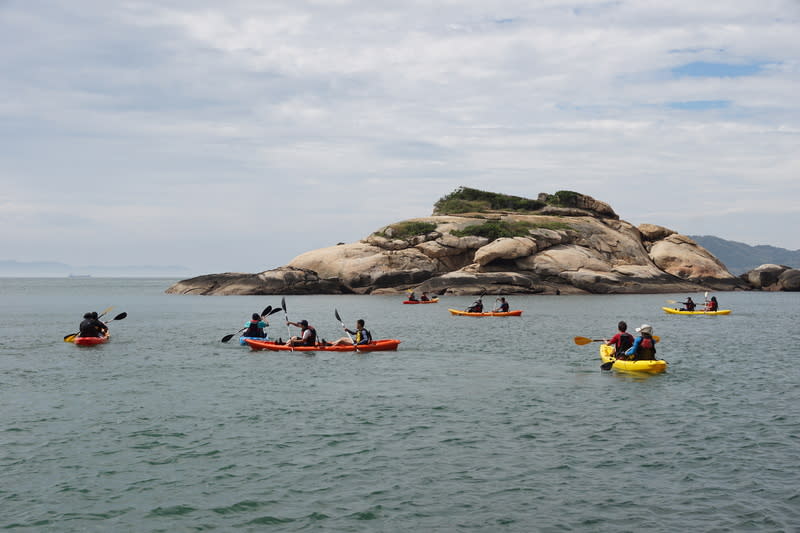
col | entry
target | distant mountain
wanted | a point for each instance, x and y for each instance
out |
(740, 257)
(33, 269)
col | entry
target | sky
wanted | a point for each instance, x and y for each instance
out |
(233, 136)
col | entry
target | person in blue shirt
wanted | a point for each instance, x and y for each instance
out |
(255, 327)
(644, 347)
(503, 307)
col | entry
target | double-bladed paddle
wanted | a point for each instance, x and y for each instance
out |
(286, 316)
(336, 313)
(71, 336)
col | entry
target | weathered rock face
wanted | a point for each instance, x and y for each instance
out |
(582, 247)
(283, 280)
(774, 278)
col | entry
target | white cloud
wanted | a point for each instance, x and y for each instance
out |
(203, 120)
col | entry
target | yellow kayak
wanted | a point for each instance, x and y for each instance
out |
(649, 367)
(680, 312)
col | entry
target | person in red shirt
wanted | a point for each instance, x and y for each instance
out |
(622, 340)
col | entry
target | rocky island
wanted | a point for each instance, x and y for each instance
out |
(477, 241)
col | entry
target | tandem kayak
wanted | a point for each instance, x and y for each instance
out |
(90, 341)
(375, 346)
(432, 301)
(649, 367)
(488, 313)
(672, 311)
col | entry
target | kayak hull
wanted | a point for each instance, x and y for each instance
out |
(433, 301)
(679, 312)
(647, 367)
(382, 345)
(243, 340)
(456, 312)
(90, 341)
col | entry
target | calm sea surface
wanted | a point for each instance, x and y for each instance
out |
(491, 424)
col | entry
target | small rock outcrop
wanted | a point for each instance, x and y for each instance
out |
(774, 278)
(477, 241)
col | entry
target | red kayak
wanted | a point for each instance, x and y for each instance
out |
(90, 341)
(433, 301)
(375, 346)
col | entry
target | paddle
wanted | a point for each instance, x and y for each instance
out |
(336, 313)
(71, 336)
(267, 311)
(580, 341)
(286, 316)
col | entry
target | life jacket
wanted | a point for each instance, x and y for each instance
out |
(647, 349)
(625, 341)
(363, 336)
(254, 331)
(312, 339)
(477, 307)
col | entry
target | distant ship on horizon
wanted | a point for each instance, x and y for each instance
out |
(79, 276)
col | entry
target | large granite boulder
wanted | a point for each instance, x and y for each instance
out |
(771, 277)
(682, 257)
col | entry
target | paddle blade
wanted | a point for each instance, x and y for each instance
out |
(276, 310)
(607, 366)
(119, 316)
(267, 310)
(671, 301)
(656, 338)
(106, 310)
(580, 341)
(336, 314)
(226, 338)
(283, 304)
(70, 337)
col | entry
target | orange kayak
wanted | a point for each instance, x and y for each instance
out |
(433, 301)
(375, 346)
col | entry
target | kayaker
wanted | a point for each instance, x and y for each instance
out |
(412, 297)
(362, 335)
(307, 337)
(91, 326)
(712, 304)
(255, 327)
(503, 307)
(476, 307)
(622, 340)
(644, 347)
(424, 297)
(688, 305)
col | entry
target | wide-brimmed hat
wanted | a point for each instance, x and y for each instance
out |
(644, 328)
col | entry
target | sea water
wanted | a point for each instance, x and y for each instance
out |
(474, 424)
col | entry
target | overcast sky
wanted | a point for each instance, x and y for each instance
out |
(233, 136)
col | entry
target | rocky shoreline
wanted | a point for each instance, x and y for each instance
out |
(565, 243)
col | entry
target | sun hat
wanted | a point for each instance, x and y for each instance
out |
(645, 328)
(304, 322)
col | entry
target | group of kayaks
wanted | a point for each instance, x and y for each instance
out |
(609, 361)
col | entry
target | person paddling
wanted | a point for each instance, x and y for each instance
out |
(622, 340)
(688, 305)
(91, 326)
(255, 327)
(424, 297)
(362, 335)
(503, 307)
(712, 304)
(307, 337)
(644, 347)
(476, 307)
